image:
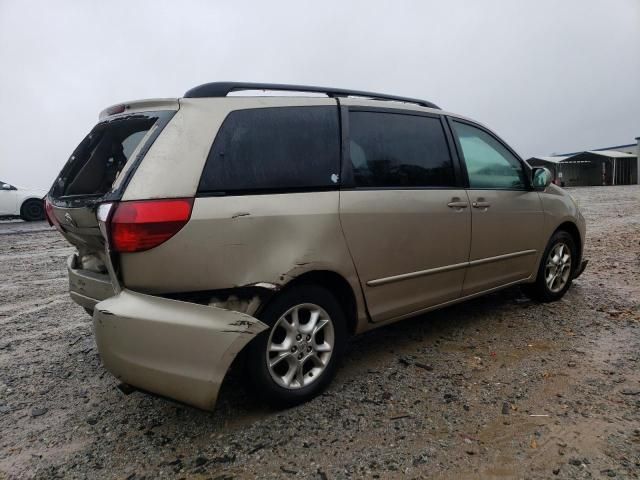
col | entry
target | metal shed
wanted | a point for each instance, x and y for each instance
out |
(589, 168)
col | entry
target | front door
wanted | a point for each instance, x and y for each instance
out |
(506, 215)
(406, 219)
(8, 199)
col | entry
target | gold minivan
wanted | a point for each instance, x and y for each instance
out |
(231, 222)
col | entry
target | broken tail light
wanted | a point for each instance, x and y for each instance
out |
(136, 226)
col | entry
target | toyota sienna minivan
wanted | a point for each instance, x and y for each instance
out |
(228, 222)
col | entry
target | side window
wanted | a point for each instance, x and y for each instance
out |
(274, 149)
(398, 150)
(489, 163)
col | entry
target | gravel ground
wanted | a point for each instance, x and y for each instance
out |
(499, 387)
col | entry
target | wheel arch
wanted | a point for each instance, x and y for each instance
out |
(31, 197)
(572, 229)
(336, 284)
(26, 200)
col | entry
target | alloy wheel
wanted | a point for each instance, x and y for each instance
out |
(300, 346)
(558, 267)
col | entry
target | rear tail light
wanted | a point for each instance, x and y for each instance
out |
(48, 212)
(141, 225)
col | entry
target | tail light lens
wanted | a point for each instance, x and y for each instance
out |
(141, 225)
(48, 212)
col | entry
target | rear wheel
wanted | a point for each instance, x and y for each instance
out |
(556, 269)
(32, 210)
(297, 357)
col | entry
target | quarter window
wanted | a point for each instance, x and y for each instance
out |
(489, 164)
(274, 149)
(398, 150)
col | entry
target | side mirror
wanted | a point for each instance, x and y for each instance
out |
(6, 186)
(541, 178)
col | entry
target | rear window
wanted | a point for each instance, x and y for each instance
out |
(398, 150)
(96, 163)
(274, 149)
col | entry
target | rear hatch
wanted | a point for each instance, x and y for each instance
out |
(98, 171)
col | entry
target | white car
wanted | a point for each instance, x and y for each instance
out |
(25, 202)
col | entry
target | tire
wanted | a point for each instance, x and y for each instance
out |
(545, 289)
(301, 346)
(32, 210)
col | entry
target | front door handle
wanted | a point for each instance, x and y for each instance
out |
(457, 204)
(480, 204)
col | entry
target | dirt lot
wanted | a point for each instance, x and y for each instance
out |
(496, 388)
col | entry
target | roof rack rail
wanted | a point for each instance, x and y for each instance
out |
(222, 89)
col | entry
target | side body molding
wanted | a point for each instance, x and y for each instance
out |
(172, 348)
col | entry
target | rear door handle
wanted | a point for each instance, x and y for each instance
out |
(480, 204)
(457, 204)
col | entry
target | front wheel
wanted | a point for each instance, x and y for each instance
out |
(297, 357)
(556, 269)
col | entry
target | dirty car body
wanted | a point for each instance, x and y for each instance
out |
(191, 223)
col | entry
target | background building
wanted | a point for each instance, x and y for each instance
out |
(618, 165)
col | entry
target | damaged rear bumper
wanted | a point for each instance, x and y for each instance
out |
(172, 348)
(87, 288)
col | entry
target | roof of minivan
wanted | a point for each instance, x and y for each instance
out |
(222, 89)
(346, 97)
(370, 102)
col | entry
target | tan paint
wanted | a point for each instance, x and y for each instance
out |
(148, 105)
(396, 232)
(559, 207)
(176, 349)
(247, 240)
(173, 165)
(413, 253)
(87, 287)
(513, 222)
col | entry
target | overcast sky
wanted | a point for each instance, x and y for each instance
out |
(548, 76)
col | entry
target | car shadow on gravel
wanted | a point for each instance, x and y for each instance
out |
(369, 350)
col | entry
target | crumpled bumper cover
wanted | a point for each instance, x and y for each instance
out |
(172, 348)
(87, 288)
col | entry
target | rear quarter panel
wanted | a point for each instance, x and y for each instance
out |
(174, 163)
(240, 241)
(231, 241)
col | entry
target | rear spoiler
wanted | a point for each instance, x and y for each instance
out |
(150, 105)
